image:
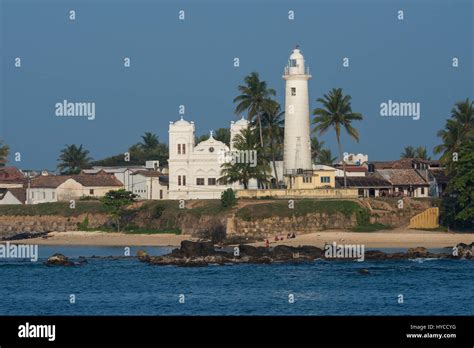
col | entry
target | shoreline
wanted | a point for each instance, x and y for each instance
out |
(402, 238)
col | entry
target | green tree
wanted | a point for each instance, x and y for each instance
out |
(4, 150)
(458, 206)
(316, 148)
(422, 153)
(458, 130)
(73, 159)
(408, 152)
(247, 140)
(228, 198)
(336, 113)
(149, 141)
(255, 98)
(148, 149)
(221, 134)
(116, 203)
(272, 124)
(325, 157)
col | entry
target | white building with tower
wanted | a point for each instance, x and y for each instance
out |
(297, 145)
(194, 169)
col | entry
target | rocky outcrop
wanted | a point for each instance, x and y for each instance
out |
(58, 260)
(198, 254)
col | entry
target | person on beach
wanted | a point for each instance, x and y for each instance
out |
(267, 243)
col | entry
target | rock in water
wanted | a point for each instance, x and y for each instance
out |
(414, 253)
(142, 255)
(58, 260)
(193, 249)
(364, 271)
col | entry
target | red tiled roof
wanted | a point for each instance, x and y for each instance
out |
(49, 181)
(11, 175)
(403, 177)
(87, 180)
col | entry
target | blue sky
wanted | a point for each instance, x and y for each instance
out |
(191, 62)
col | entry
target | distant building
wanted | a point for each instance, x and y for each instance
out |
(408, 182)
(355, 159)
(351, 170)
(149, 184)
(438, 180)
(320, 176)
(12, 196)
(53, 188)
(367, 186)
(11, 177)
(194, 170)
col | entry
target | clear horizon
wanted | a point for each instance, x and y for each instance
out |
(191, 63)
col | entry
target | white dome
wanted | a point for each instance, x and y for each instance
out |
(296, 54)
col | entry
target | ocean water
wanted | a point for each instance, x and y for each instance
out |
(129, 287)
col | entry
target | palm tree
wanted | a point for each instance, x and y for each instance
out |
(458, 129)
(255, 98)
(73, 159)
(244, 172)
(149, 141)
(422, 153)
(316, 148)
(336, 113)
(408, 152)
(4, 150)
(325, 157)
(272, 124)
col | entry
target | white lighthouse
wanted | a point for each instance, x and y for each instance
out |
(297, 147)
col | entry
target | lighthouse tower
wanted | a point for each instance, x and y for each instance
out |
(297, 147)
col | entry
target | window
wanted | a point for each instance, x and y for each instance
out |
(91, 191)
(307, 179)
(179, 180)
(200, 181)
(422, 190)
(325, 179)
(44, 195)
(184, 180)
(211, 181)
(293, 63)
(161, 194)
(293, 91)
(183, 146)
(179, 149)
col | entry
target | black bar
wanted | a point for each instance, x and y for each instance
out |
(286, 330)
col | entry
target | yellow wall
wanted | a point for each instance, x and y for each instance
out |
(314, 193)
(298, 184)
(427, 219)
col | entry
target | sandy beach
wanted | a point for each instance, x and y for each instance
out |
(400, 238)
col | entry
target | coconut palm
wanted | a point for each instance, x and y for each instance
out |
(408, 152)
(149, 141)
(73, 158)
(4, 149)
(422, 153)
(316, 148)
(336, 113)
(458, 129)
(272, 124)
(247, 140)
(255, 98)
(325, 157)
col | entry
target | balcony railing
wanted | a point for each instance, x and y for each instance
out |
(287, 70)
